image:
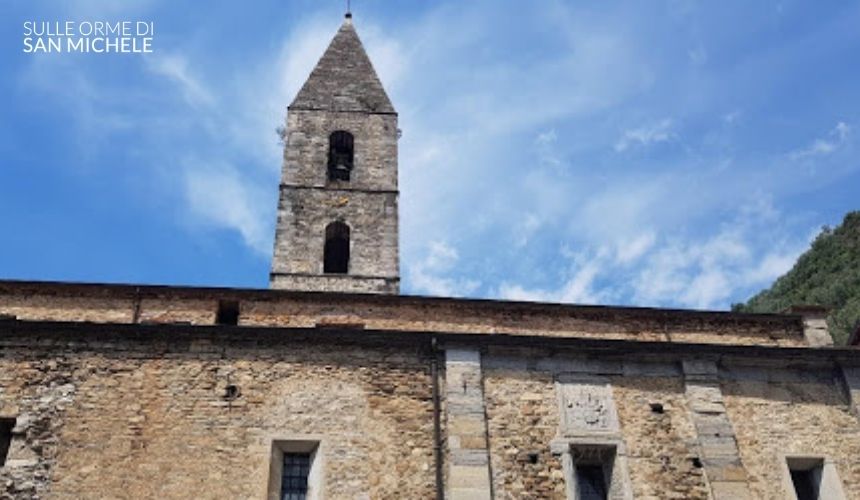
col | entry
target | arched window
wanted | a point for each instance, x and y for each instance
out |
(336, 259)
(340, 156)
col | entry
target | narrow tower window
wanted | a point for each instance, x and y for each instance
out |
(336, 259)
(340, 156)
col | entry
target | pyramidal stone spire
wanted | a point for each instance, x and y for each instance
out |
(344, 79)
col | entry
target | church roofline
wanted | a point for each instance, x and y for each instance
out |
(124, 290)
(151, 334)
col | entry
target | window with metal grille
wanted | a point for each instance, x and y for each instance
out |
(590, 482)
(592, 473)
(294, 477)
(336, 258)
(340, 156)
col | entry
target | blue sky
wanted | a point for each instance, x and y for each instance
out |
(668, 153)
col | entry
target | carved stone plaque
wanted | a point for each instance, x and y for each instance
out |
(586, 405)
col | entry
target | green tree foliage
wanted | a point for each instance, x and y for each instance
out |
(828, 274)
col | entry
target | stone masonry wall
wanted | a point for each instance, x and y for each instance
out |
(309, 201)
(661, 447)
(335, 282)
(127, 412)
(108, 418)
(777, 412)
(523, 418)
(49, 307)
(375, 147)
(371, 217)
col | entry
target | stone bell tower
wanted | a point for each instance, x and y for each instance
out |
(337, 212)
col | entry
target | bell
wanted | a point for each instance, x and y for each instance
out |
(341, 171)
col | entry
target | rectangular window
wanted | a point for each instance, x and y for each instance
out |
(804, 484)
(806, 475)
(294, 476)
(591, 482)
(6, 426)
(228, 313)
(812, 478)
(592, 467)
(295, 469)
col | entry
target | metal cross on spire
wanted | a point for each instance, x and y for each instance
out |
(348, 9)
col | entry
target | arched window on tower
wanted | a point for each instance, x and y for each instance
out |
(336, 258)
(340, 156)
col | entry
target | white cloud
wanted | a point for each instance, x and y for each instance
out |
(579, 286)
(175, 68)
(772, 266)
(630, 250)
(711, 286)
(646, 135)
(547, 150)
(431, 275)
(748, 252)
(823, 147)
(526, 227)
(702, 271)
(217, 195)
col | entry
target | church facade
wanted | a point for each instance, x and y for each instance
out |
(331, 384)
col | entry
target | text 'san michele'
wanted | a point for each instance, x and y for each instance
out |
(125, 37)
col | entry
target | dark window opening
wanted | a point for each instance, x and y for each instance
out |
(294, 478)
(805, 483)
(340, 156)
(592, 471)
(336, 258)
(228, 313)
(657, 408)
(590, 482)
(6, 426)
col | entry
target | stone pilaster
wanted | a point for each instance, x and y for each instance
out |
(719, 448)
(815, 329)
(466, 425)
